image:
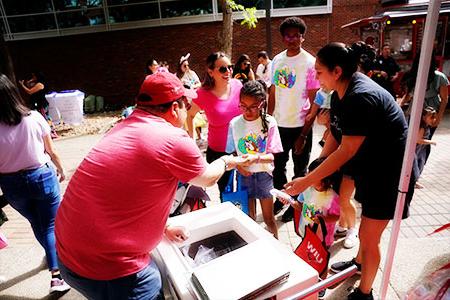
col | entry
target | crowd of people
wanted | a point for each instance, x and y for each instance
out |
(98, 239)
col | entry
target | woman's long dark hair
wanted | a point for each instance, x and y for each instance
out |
(180, 72)
(409, 79)
(258, 90)
(208, 83)
(237, 67)
(12, 107)
(148, 64)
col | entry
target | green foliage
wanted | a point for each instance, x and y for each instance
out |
(249, 14)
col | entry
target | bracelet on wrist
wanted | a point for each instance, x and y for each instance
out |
(225, 164)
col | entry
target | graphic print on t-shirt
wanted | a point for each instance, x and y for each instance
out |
(252, 143)
(284, 77)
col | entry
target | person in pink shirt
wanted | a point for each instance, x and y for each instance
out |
(219, 98)
(117, 203)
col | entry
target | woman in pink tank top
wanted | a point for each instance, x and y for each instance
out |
(219, 98)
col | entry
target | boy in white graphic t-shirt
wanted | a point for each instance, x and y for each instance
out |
(292, 91)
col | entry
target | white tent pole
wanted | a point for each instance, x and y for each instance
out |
(408, 158)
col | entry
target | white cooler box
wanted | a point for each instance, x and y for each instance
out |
(249, 259)
(66, 106)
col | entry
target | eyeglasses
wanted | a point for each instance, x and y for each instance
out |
(293, 37)
(252, 108)
(224, 69)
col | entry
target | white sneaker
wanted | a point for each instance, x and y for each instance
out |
(58, 285)
(351, 239)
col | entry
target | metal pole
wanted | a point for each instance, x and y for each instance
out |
(268, 29)
(332, 280)
(408, 159)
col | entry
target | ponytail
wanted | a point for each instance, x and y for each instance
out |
(337, 54)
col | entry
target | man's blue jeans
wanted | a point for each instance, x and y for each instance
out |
(35, 194)
(145, 284)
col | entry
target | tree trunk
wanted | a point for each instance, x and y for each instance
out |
(6, 65)
(226, 42)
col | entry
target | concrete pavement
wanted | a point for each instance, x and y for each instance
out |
(22, 263)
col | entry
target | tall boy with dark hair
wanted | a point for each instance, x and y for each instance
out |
(292, 91)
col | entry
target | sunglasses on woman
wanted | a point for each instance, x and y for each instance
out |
(224, 69)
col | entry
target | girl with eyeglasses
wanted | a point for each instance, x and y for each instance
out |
(219, 98)
(254, 135)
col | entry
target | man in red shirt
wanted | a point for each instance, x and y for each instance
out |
(115, 208)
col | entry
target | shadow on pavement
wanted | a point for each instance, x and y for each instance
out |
(53, 296)
(13, 281)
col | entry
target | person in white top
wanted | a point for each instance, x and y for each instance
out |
(28, 181)
(187, 76)
(293, 90)
(263, 71)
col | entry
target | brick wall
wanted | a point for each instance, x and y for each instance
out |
(111, 64)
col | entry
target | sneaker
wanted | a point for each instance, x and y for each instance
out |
(321, 294)
(58, 285)
(418, 186)
(351, 238)
(277, 206)
(288, 215)
(343, 265)
(358, 295)
(340, 231)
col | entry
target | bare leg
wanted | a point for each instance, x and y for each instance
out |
(198, 130)
(269, 218)
(370, 231)
(348, 208)
(252, 208)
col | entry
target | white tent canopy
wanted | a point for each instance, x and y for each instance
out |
(408, 159)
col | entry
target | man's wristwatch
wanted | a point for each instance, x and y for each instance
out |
(225, 164)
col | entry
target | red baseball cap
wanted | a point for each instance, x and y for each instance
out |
(163, 87)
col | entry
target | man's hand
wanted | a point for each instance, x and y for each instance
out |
(176, 233)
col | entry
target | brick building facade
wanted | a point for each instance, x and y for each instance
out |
(111, 64)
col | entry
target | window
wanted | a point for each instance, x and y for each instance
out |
(88, 17)
(182, 8)
(298, 3)
(25, 19)
(399, 38)
(76, 4)
(32, 23)
(129, 13)
(22, 7)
